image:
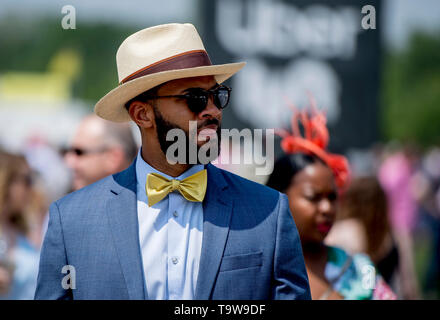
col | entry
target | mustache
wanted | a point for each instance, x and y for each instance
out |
(207, 122)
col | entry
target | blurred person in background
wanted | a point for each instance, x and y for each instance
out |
(426, 188)
(396, 175)
(51, 180)
(99, 148)
(362, 225)
(312, 178)
(18, 257)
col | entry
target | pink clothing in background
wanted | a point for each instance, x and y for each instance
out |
(395, 175)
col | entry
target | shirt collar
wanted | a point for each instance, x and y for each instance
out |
(143, 169)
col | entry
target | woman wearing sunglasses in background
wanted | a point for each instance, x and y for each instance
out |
(18, 258)
(312, 180)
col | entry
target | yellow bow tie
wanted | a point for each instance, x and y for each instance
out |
(192, 188)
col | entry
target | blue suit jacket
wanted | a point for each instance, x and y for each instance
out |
(250, 249)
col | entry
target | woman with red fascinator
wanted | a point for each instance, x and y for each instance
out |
(313, 179)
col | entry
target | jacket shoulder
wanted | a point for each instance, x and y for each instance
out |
(86, 195)
(249, 190)
(96, 191)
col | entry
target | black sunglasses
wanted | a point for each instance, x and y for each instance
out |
(80, 152)
(197, 98)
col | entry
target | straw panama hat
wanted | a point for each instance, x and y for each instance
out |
(154, 56)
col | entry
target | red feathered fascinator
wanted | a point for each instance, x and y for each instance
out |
(315, 141)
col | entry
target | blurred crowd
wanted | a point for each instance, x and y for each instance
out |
(390, 211)
(41, 174)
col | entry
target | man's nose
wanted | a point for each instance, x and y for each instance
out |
(211, 110)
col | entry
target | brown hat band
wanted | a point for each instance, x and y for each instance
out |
(189, 59)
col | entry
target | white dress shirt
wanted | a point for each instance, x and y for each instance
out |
(170, 236)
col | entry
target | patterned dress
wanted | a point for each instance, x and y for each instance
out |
(355, 277)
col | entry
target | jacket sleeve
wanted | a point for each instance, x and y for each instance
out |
(52, 260)
(290, 275)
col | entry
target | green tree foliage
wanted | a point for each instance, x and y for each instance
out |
(30, 46)
(411, 95)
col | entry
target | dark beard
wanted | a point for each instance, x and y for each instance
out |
(163, 126)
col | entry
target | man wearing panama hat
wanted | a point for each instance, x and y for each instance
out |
(166, 230)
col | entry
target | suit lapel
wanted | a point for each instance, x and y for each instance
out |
(217, 209)
(122, 216)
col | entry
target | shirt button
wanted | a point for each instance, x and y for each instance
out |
(175, 260)
(175, 214)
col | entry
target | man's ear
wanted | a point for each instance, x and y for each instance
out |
(142, 114)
